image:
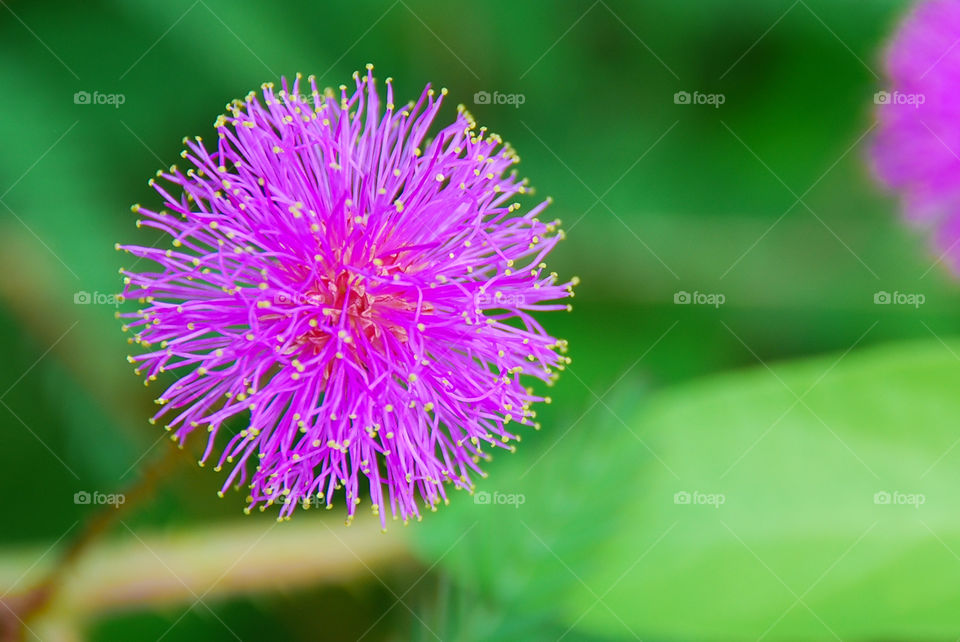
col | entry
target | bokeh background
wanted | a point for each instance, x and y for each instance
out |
(779, 466)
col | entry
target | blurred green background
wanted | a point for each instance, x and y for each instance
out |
(781, 466)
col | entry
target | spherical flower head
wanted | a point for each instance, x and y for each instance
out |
(347, 305)
(916, 151)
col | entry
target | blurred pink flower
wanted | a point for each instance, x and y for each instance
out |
(916, 150)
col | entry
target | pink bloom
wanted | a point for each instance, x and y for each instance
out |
(346, 303)
(917, 147)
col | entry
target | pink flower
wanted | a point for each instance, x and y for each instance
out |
(346, 303)
(916, 151)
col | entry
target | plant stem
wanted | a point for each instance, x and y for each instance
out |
(21, 609)
(248, 555)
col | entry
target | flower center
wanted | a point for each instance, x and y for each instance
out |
(368, 315)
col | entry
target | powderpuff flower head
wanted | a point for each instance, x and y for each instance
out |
(916, 150)
(348, 305)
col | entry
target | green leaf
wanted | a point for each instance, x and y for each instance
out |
(785, 536)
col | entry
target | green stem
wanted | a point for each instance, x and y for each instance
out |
(250, 555)
(19, 610)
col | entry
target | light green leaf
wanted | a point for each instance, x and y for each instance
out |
(785, 535)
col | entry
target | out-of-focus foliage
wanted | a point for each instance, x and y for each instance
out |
(786, 503)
